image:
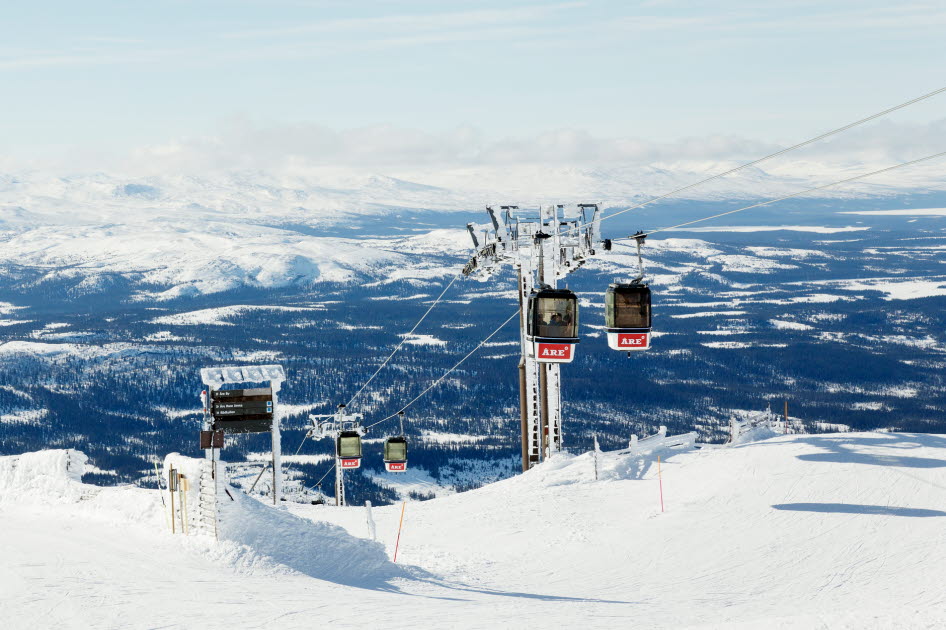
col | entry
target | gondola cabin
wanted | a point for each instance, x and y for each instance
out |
(349, 449)
(627, 316)
(395, 454)
(552, 325)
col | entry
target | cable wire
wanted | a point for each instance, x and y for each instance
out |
(322, 478)
(404, 339)
(447, 373)
(797, 194)
(432, 385)
(822, 136)
(777, 153)
(304, 438)
(390, 356)
(319, 482)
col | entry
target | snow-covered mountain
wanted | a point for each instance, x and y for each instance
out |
(187, 235)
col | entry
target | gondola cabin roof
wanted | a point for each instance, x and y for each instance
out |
(548, 292)
(628, 288)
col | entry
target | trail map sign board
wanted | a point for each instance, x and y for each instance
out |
(242, 410)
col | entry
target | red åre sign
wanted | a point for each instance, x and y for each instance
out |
(555, 351)
(354, 462)
(632, 340)
(396, 466)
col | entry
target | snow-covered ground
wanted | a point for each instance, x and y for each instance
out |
(815, 531)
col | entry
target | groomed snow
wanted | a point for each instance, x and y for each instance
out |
(817, 531)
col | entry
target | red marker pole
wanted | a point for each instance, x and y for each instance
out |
(660, 479)
(400, 525)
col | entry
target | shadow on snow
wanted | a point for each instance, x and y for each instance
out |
(852, 508)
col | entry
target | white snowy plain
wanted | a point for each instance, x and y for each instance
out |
(826, 531)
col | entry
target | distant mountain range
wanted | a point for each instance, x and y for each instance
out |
(186, 235)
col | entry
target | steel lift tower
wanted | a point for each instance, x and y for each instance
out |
(340, 426)
(543, 245)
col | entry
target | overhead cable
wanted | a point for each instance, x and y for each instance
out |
(448, 372)
(404, 339)
(778, 153)
(319, 482)
(393, 352)
(770, 156)
(797, 194)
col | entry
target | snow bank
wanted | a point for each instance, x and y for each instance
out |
(255, 538)
(269, 538)
(52, 476)
(193, 506)
(632, 463)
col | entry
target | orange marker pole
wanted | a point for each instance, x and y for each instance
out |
(400, 525)
(661, 481)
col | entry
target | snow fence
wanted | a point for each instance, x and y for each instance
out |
(659, 441)
(752, 426)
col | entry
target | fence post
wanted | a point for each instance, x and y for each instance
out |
(660, 479)
(397, 543)
(172, 487)
(597, 450)
(371, 528)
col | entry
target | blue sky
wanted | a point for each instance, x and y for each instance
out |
(111, 76)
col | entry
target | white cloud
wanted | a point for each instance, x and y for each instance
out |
(242, 143)
(413, 23)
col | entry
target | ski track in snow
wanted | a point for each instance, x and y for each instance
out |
(792, 532)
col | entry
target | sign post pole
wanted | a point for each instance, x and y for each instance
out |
(277, 447)
(251, 410)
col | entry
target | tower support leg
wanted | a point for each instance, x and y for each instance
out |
(552, 409)
(524, 415)
(339, 483)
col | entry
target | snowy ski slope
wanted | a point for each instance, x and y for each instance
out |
(808, 531)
